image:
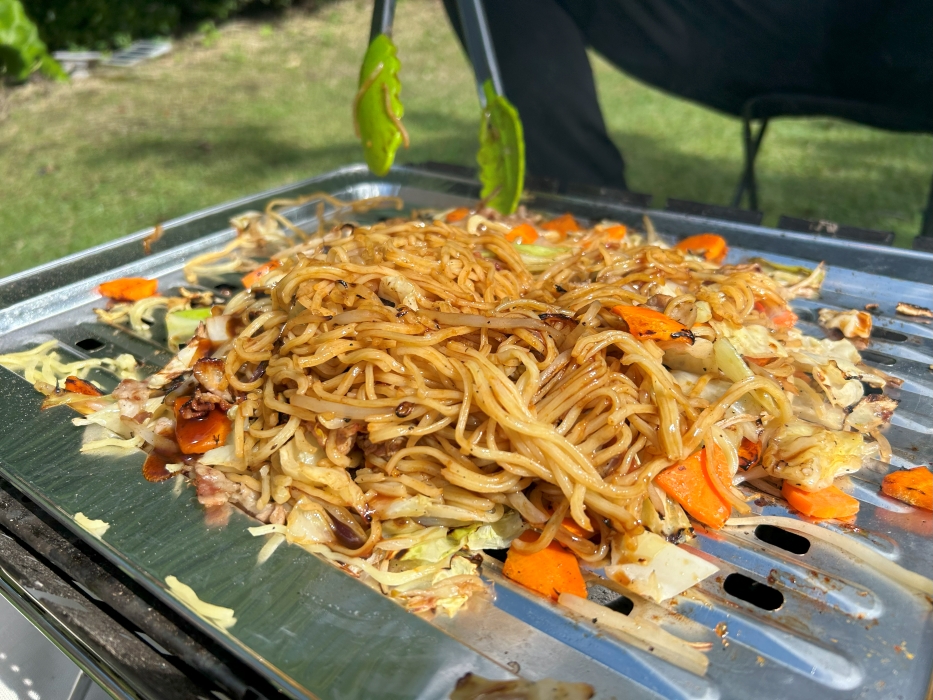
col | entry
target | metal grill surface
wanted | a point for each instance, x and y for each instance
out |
(842, 629)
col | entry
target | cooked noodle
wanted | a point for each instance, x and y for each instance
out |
(388, 384)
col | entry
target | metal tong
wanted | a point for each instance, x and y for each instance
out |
(383, 17)
(479, 47)
(501, 154)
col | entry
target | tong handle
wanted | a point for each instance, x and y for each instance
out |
(479, 46)
(383, 17)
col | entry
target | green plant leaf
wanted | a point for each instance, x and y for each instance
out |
(377, 109)
(21, 49)
(501, 154)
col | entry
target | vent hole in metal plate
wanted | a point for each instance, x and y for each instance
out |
(887, 334)
(786, 540)
(89, 344)
(613, 600)
(805, 315)
(497, 554)
(621, 605)
(758, 594)
(877, 357)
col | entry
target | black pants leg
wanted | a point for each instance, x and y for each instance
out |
(547, 76)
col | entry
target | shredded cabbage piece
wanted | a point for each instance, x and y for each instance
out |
(657, 569)
(215, 614)
(95, 527)
(810, 456)
(43, 364)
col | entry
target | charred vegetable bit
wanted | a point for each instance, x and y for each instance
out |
(912, 486)
(648, 324)
(81, 386)
(154, 468)
(851, 323)
(473, 687)
(906, 309)
(749, 453)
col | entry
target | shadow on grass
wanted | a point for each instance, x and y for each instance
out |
(861, 188)
(232, 155)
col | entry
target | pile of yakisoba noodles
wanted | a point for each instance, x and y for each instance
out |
(396, 397)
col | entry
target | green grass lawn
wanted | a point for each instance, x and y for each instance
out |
(264, 104)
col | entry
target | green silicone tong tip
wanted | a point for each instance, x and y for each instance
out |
(377, 109)
(501, 155)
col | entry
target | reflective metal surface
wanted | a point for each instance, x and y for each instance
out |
(842, 631)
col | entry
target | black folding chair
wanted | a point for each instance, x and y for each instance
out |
(766, 107)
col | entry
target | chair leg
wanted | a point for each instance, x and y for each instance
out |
(926, 228)
(752, 183)
(747, 182)
(746, 151)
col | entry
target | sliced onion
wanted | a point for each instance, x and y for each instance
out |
(82, 403)
(341, 409)
(159, 442)
(756, 472)
(641, 634)
(269, 547)
(725, 491)
(218, 328)
(269, 529)
(356, 316)
(222, 617)
(477, 321)
(881, 564)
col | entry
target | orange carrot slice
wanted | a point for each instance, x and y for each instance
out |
(648, 324)
(688, 483)
(706, 245)
(196, 436)
(550, 572)
(251, 279)
(825, 503)
(523, 233)
(913, 486)
(780, 315)
(129, 289)
(616, 233)
(458, 214)
(563, 224)
(570, 525)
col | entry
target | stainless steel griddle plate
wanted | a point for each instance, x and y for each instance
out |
(788, 616)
